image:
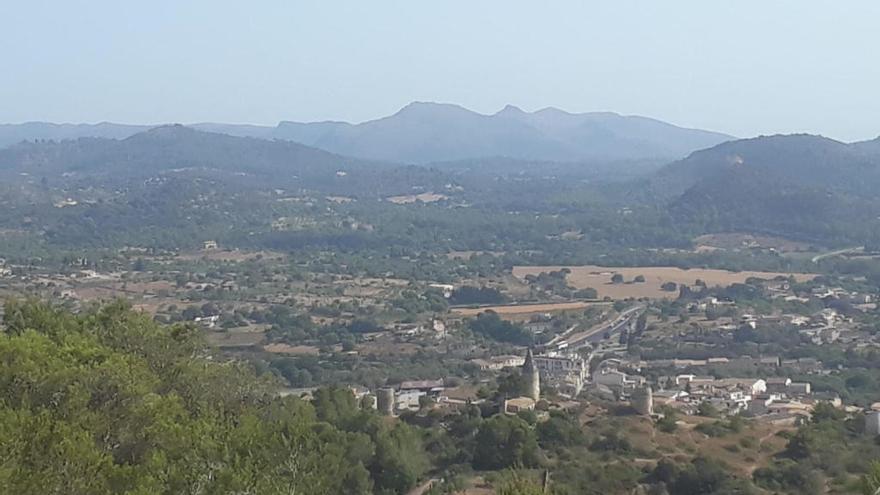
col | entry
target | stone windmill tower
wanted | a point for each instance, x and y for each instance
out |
(532, 377)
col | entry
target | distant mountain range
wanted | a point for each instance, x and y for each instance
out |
(430, 132)
(180, 152)
(423, 133)
(801, 186)
(174, 147)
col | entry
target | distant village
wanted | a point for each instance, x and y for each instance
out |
(595, 365)
(576, 362)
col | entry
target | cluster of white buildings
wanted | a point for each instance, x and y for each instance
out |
(566, 373)
(734, 364)
(773, 398)
(497, 363)
(776, 399)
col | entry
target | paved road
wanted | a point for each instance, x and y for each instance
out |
(821, 257)
(597, 333)
(562, 336)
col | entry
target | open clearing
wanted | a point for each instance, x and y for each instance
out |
(427, 197)
(738, 241)
(518, 309)
(599, 278)
(293, 350)
(234, 256)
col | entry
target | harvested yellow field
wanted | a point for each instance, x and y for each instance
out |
(737, 241)
(599, 278)
(423, 198)
(234, 339)
(235, 256)
(294, 350)
(519, 309)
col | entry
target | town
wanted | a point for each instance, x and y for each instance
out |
(757, 356)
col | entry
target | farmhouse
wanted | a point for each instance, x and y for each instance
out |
(496, 363)
(430, 387)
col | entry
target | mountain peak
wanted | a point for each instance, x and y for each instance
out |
(511, 111)
(552, 110)
(168, 130)
(170, 134)
(428, 106)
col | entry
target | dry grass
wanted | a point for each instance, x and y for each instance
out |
(466, 255)
(745, 451)
(293, 350)
(599, 278)
(386, 347)
(234, 256)
(234, 339)
(746, 241)
(102, 290)
(427, 197)
(519, 309)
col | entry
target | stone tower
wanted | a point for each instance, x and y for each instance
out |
(532, 377)
(385, 401)
(872, 423)
(642, 401)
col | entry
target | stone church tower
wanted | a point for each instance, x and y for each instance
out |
(532, 377)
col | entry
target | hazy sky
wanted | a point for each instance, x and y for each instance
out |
(743, 67)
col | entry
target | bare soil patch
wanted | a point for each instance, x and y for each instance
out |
(427, 197)
(516, 309)
(294, 350)
(744, 451)
(385, 347)
(234, 256)
(234, 339)
(748, 241)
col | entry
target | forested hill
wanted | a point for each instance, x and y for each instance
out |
(799, 159)
(174, 147)
(800, 185)
(107, 402)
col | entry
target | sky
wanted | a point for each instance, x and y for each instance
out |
(745, 67)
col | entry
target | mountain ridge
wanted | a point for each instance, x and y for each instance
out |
(424, 132)
(173, 147)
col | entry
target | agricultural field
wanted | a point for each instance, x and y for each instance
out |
(736, 241)
(427, 197)
(229, 255)
(237, 338)
(522, 309)
(599, 278)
